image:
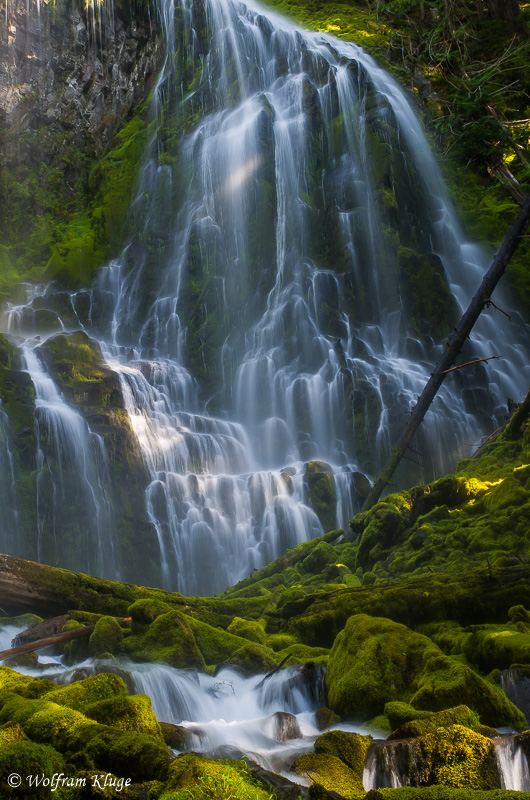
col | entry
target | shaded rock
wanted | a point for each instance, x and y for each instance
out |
(285, 726)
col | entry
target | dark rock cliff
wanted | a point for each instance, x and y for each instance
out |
(71, 74)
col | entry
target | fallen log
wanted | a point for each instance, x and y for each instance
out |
(42, 630)
(453, 347)
(57, 638)
(50, 591)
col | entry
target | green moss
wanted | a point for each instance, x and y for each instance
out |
(457, 757)
(251, 659)
(351, 748)
(421, 723)
(82, 693)
(136, 755)
(247, 629)
(168, 639)
(374, 661)
(331, 773)
(106, 637)
(125, 713)
(25, 758)
(322, 493)
(192, 777)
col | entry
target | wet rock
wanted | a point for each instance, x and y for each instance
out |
(325, 718)
(285, 726)
(178, 737)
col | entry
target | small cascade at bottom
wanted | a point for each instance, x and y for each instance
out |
(383, 767)
(513, 765)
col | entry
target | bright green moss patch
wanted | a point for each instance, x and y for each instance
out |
(247, 629)
(374, 661)
(331, 773)
(351, 748)
(168, 639)
(90, 690)
(192, 777)
(106, 637)
(422, 723)
(24, 758)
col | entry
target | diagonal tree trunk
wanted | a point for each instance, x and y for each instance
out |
(453, 346)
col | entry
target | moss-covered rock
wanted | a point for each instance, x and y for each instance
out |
(105, 638)
(90, 690)
(331, 773)
(203, 779)
(422, 723)
(247, 629)
(250, 660)
(351, 748)
(374, 661)
(25, 758)
(168, 639)
(145, 611)
(139, 756)
(325, 718)
(457, 757)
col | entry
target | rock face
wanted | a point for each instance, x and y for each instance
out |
(70, 75)
(73, 67)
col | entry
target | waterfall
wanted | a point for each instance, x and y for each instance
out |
(71, 476)
(290, 270)
(8, 494)
(513, 765)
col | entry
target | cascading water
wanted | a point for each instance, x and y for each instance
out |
(513, 766)
(71, 472)
(291, 268)
(8, 494)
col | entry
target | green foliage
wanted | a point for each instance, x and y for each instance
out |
(192, 777)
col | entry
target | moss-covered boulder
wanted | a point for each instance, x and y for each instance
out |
(105, 638)
(192, 776)
(168, 639)
(139, 756)
(425, 722)
(75, 361)
(444, 682)
(325, 718)
(247, 629)
(90, 690)
(250, 660)
(145, 611)
(456, 757)
(24, 758)
(375, 660)
(331, 773)
(351, 748)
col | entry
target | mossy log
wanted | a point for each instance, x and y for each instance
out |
(28, 586)
(452, 348)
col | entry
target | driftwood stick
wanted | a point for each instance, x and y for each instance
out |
(453, 347)
(272, 672)
(469, 363)
(57, 638)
